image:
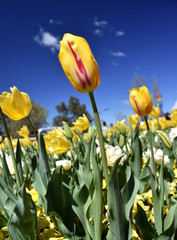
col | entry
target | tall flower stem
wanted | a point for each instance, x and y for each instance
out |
(31, 125)
(100, 137)
(11, 150)
(151, 146)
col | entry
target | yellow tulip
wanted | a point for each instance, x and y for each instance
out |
(155, 113)
(23, 132)
(141, 101)
(15, 105)
(56, 142)
(82, 123)
(79, 63)
(134, 119)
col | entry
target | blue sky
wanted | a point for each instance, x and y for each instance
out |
(126, 37)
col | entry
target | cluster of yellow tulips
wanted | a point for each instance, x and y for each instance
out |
(78, 182)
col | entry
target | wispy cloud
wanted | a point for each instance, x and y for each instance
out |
(51, 21)
(119, 33)
(114, 63)
(100, 23)
(118, 54)
(98, 32)
(48, 40)
(123, 102)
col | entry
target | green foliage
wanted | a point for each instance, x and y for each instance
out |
(18, 207)
(69, 113)
(22, 223)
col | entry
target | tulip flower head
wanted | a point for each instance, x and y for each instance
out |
(82, 123)
(141, 101)
(155, 113)
(15, 105)
(23, 132)
(79, 63)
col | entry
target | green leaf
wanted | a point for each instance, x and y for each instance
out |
(3, 221)
(157, 196)
(44, 168)
(22, 223)
(6, 173)
(9, 192)
(97, 205)
(58, 199)
(136, 159)
(128, 193)
(38, 184)
(18, 161)
(81, 204)
(116, 215)
(170, 224)
(144, 180)
(146, 229)
(87, 158)
(60, 225)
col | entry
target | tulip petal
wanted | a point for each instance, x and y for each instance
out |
(78, 63)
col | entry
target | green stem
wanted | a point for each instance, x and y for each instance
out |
(100, 138)
(11, 150)
(151, 146)
(31, 125)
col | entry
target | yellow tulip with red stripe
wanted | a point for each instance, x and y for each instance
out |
(141, 101)
(15, 105)
(79, 63)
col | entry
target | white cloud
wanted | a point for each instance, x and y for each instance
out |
(100, 23)
(46, 39)
(114, 63)
(125, 102)
(119, 33)
(118, 54)
(98, 32)
(51, 21)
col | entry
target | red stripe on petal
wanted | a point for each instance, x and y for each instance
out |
(80, 79)
(80, 64)
(139, 112)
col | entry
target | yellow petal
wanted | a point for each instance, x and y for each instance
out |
(79, 63)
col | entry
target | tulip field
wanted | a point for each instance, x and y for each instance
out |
(83, 182)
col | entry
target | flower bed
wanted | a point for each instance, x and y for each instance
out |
(80, 182)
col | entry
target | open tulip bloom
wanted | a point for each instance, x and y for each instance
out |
(15, 105)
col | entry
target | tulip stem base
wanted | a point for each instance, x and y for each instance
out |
(151, 146)
(100, 137)
(11, 150)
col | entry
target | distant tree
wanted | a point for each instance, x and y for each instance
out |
(69, 113)
(138, 81)
(1, 128)
(37, 116)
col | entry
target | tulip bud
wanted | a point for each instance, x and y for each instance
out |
(141, 101)
(90, 131)
(164, 138)
(67, 131)
(121, 128)
(121, 140)
(66, 164)
(79, 63)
